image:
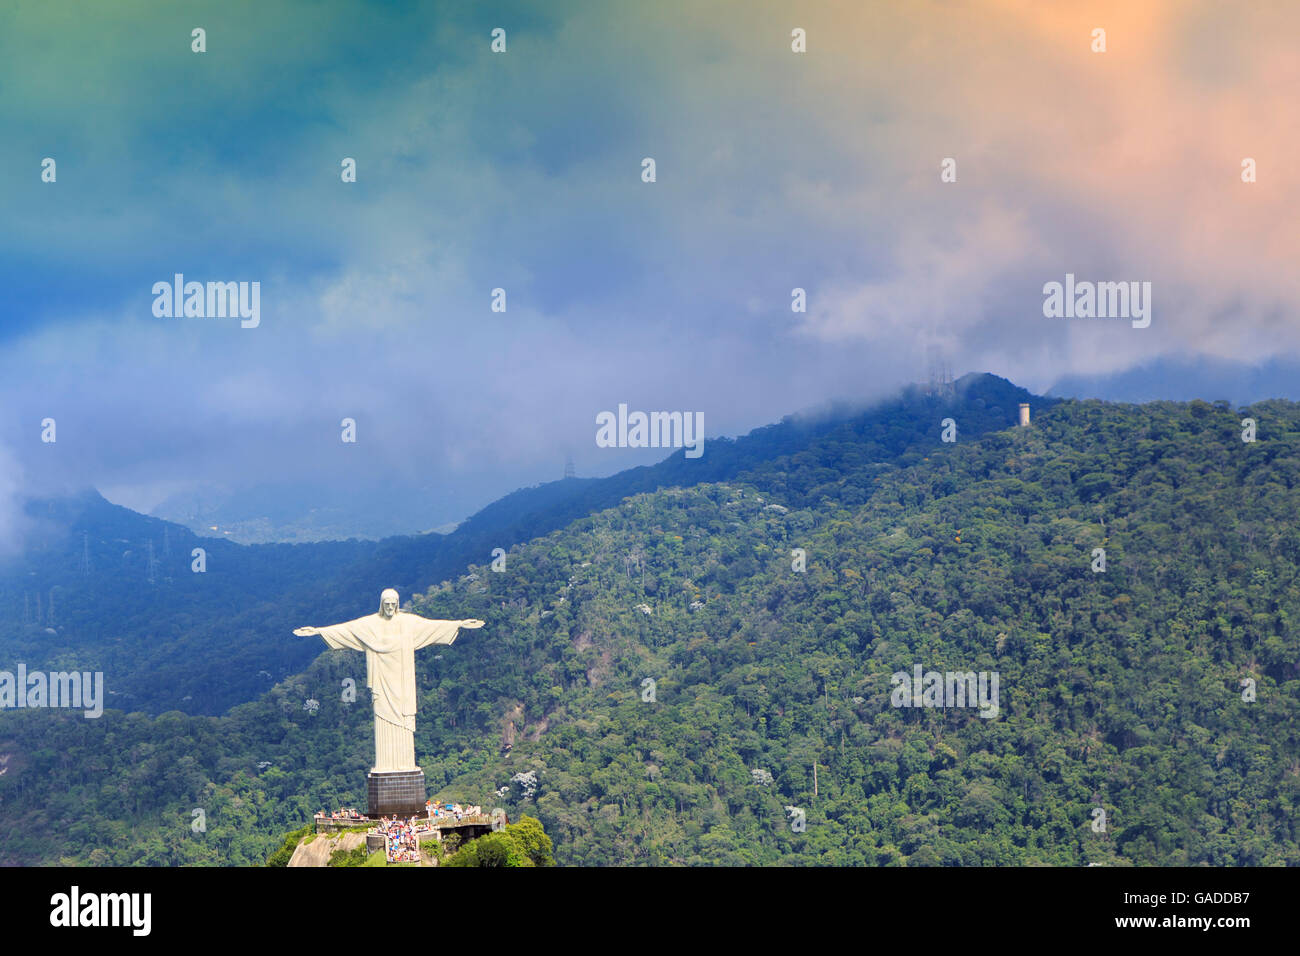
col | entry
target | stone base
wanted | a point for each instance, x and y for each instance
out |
(395, 793)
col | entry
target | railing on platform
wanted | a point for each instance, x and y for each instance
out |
(423, 823)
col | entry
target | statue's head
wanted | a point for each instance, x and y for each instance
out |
(388, 602)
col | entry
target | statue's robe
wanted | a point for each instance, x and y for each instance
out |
(390, 645)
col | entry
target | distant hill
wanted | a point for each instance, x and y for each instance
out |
(304, 511)
(888, 434)
(1184, 379)
(172, 639)
(101, 587)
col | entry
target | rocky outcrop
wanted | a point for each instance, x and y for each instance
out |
(317, 852)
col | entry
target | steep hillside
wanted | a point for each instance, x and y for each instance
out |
(769, 734)
(1120, 690)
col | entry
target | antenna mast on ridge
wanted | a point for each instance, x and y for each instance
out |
(939, 380)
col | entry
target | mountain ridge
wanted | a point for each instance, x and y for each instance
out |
(204, 642)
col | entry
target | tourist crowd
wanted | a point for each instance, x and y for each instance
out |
(445, 811)
(402, 838)
(342, 815)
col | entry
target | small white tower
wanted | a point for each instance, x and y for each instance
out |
(1024, 414)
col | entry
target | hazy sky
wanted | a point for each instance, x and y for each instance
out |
(522, 170)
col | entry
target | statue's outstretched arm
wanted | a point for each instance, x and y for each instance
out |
(438, 632)
(306, 631)
(349, 634)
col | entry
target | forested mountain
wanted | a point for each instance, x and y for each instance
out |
(1162, 691)
(103, 588)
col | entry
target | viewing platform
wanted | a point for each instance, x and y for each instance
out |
(333, 823)
(469, 826)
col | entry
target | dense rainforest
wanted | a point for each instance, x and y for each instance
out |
(703, 674)
(99, 587)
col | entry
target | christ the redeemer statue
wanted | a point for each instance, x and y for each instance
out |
(390, 640)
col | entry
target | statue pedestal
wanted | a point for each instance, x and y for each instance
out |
(395, 793)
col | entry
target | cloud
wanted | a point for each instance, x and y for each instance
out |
(522, 171)
(12, 518)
